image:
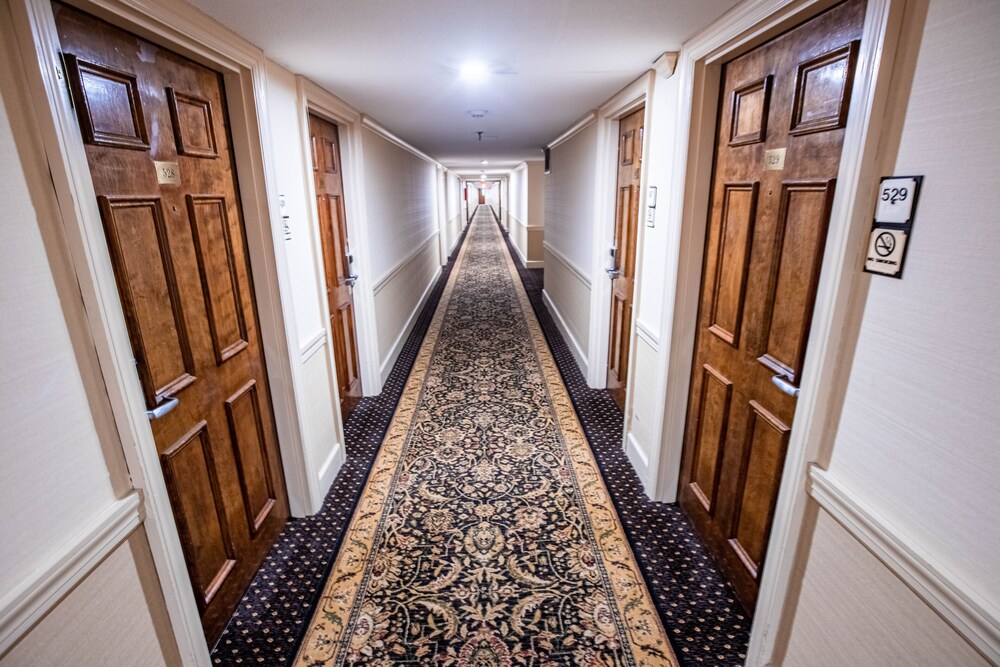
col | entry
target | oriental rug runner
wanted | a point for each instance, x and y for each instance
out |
(485, 534)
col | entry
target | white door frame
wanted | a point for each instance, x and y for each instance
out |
(842, 285)
(183, 29)
(312, 99)
(630, 98)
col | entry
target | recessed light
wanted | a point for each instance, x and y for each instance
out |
(474, 70)
(485, 162)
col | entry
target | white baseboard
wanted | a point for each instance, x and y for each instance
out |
(639, 459)
(954, 600)
(53, 579)
(397, 345)
(331, 466)
(574, 346)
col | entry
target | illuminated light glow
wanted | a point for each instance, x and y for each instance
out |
(485, 162)
(474, 70)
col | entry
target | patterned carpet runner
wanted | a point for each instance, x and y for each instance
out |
(485, 534)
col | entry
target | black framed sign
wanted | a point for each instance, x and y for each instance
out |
(892, 225)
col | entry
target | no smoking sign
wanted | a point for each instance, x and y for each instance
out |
(885, 251)
(893, 221)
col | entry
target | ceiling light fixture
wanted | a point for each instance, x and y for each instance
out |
(474, 71)
(485, 162)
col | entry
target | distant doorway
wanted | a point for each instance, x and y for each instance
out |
(337, 259)
(629, 166)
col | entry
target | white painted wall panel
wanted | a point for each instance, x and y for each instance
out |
(397, 301)
(54, 475)
(400, 198)
(920, 426)
(569, 198)
(113, 617)
(855, 611)
(570, 295)
(304, 263)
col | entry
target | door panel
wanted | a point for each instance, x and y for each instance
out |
(782, 113)
(336, 259)
(157, 141)
(626, 227)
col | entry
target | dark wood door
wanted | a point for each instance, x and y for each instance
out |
(336, 258)
(157, 139)
(626, 227)
(782, 114)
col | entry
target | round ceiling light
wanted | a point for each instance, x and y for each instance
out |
(474, 71)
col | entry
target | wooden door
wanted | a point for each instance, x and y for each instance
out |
(482, 195)
(158, 142)
(782, 114)
(337, 259)
(626, 227)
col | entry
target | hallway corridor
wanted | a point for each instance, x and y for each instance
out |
(347, 333)
(702, 617)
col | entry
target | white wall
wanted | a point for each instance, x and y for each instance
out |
(569, 220)
(61, 465)
(917, 439)
(454, 213)
(526, 217)
(313, 373)
(402, 236)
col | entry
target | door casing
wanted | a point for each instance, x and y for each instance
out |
(180, 28)
(684, 206)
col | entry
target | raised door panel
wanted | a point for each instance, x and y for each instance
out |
(763, 460)
(348, 372)
(749, 110)
(732, 259)
(193, 484)
(823, 91)
(193, 121)
(800, 237)
(339, 226)
(712, 428)
(144, 269)
(329, 150)
(246, 433)
(107, 104)
(217, 264)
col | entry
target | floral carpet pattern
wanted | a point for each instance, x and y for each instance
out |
(485, 534)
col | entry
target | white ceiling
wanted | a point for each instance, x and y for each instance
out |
(398, 60)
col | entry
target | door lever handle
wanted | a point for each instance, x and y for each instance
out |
(785, 386)
(614, 273)
(351, 279)
(166, 405)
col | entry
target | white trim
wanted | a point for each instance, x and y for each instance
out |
(371, 124)
(574, 346)
(77, 558)
(643, 332)
(331, 466)
(637, 456)
(314, 345)
(633, 96)
(577, 271)
(972, 616)
(317, 100)
(573, 129)
(528, 229)
(182, 28)
(666, 64)
(397, 345)
(412, 255)
(839, 300)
